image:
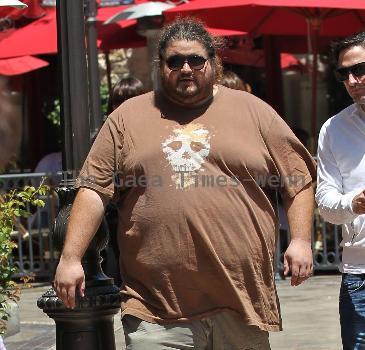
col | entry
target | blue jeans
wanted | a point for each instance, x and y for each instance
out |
(352, 311)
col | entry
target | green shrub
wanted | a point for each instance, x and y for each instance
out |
(12, 206)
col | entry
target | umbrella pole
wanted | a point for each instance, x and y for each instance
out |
(273, 74)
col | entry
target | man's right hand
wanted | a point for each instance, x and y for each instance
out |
(358, 203)
(69, 277)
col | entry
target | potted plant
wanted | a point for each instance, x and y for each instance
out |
(13, 206)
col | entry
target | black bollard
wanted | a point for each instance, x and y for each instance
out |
(90, 324)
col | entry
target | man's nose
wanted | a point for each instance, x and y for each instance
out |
(353, 79)
(186, 67)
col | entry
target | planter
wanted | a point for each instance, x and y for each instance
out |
(13, 324)
(2, 346)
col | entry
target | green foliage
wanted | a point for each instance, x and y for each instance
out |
(53, 111)
(104, 98)
(12, 206)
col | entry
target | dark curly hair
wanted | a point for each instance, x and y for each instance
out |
(192, 29)
(357, 39)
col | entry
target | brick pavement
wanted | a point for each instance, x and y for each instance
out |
(310, 319)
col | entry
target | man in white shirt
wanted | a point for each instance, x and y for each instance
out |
(341, 186)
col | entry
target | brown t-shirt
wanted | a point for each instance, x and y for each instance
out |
(196, 227)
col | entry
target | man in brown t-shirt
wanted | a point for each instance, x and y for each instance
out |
(190, 167)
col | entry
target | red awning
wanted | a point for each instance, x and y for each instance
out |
(21, 65)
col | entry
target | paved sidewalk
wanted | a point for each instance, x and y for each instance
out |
(310, 319)
(310, 315)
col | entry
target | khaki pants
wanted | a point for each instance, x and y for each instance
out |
(222, 331)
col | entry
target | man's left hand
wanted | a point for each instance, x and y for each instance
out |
(298, 259)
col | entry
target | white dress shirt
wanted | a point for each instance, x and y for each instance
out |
(341, 176)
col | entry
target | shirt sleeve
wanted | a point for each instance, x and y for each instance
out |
(101, 165)
(294, 163)
(334, 205)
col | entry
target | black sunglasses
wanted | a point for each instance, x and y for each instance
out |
(357, 70)
(176, 62)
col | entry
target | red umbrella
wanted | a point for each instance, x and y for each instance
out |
(282, 17)
(256, 58)
(33, 11)
(13, 3)
(20, 65)
(115, 36)
(106, 12)
(40, 36)
(225, 32)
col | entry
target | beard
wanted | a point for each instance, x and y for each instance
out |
(187, 90)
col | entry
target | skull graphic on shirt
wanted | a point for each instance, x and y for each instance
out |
(186, 151)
